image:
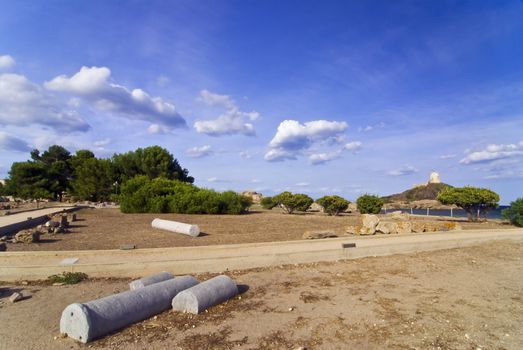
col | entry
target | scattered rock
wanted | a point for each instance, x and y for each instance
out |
(71, 217)
(452, 225)
(27, 236)
(318, 234)
(16, 297)
(404, 227)
(369, 222)
(387, 227)
(52, 223)
(3, 247)
(353, 230)
(315, 207)
(398, 215)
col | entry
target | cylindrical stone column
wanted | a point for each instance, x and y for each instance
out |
(148, 280)
(85, 322)
(178, 227)
(206, 294)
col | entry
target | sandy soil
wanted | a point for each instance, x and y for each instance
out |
(465, 298)
(110, 229)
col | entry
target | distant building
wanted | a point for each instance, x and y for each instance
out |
(433, 179)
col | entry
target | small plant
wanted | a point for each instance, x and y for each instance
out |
(333, 205)
(369, 204)
(67, 278)
(515, 212)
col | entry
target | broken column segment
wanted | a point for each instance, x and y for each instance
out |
(206, 294)
(88, 321)
(178, 227)
(148, 280)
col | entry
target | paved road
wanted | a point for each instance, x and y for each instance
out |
(218, 258)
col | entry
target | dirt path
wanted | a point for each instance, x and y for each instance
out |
(110, 229)
(465, 298)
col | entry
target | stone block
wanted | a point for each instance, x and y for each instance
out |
(318, 234)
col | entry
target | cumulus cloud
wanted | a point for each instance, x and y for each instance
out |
(232, 121)
(158, 129)
(95, 85)
(199, 152)
(102, 143)
(6, 62)
(405, 170)
(23, 102)
(292, 138)
(11, 143)
(494, 152)
(354, 146)
(447, 156)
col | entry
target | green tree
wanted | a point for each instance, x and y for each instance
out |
(475, 201)
(268, 203)
(152, 162)
(28, 180)
(333, 205)
(369, 204)
(515, 213)
(57, 168)
(290, 202)
(93, 180)
(79, 158)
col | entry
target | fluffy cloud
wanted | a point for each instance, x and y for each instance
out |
(94, 84)
(494, 152)
(447, 156)
(6, 62)
(199, 152)
(101, 143)
(10, 143)
(24, 103)
(231, 122)
(157, 129)
(405, 170)
(354, 146)
(292, 138)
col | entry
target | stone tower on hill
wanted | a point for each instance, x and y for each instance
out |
(434, 178)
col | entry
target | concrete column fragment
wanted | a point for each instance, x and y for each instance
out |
(206, 294)
(88, 321)
(178, 227)
(148, 280)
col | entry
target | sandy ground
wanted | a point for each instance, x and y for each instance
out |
(465, 298)
(110, 229)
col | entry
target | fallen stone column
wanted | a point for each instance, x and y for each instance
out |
(148, 280)
(178, 227)
(206, 294)
(88, 321)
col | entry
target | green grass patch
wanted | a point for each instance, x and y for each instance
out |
(67, 278)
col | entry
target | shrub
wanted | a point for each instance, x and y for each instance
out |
(333, 205)
(515, 212)
(475, 201)
(290, 202)
(369, 204)
(143, 195)
(67, 278)
(268, 203)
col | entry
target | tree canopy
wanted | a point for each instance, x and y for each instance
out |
(369, 204)
(333, 205)
(50, 173)
(291, 202)
(474, 200)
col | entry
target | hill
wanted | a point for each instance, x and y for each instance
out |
(429, 191)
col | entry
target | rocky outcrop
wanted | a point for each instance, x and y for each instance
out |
(255, 196)
(27, 236)
(369, 223)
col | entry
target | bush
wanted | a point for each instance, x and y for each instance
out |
(369, 204)
(268, 203)
(333, 205)
(67, 278)
(475, 201)
(290, 202)
(515, 212)
(143, 195)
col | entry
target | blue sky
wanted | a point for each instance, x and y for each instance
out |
(320, 97)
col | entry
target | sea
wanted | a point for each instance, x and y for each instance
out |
(457, 213)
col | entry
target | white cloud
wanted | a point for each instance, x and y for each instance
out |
(231, 122)
(199, 152)
(405, 170)
(494, 152)
(11, 143)
(101, 143)
(94, 84)
(354, 146)
(292, 138)
(302, 184)
(245, 154)
(447, 156)
(6, 62)
(322, 158)
(368, 128)
(158, 129)
(23, 103)
(162, 81)
(256, 181)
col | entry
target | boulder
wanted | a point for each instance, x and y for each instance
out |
(398, 215)
(351, 208)
(369, 223)
(453, 225)
(404, 227)
(318, 234)
(387, 227)
(418, 227)
(27, 236)
(52, 223)
(315, 207)
(255, 196)
(15, 297)
(353, 230)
